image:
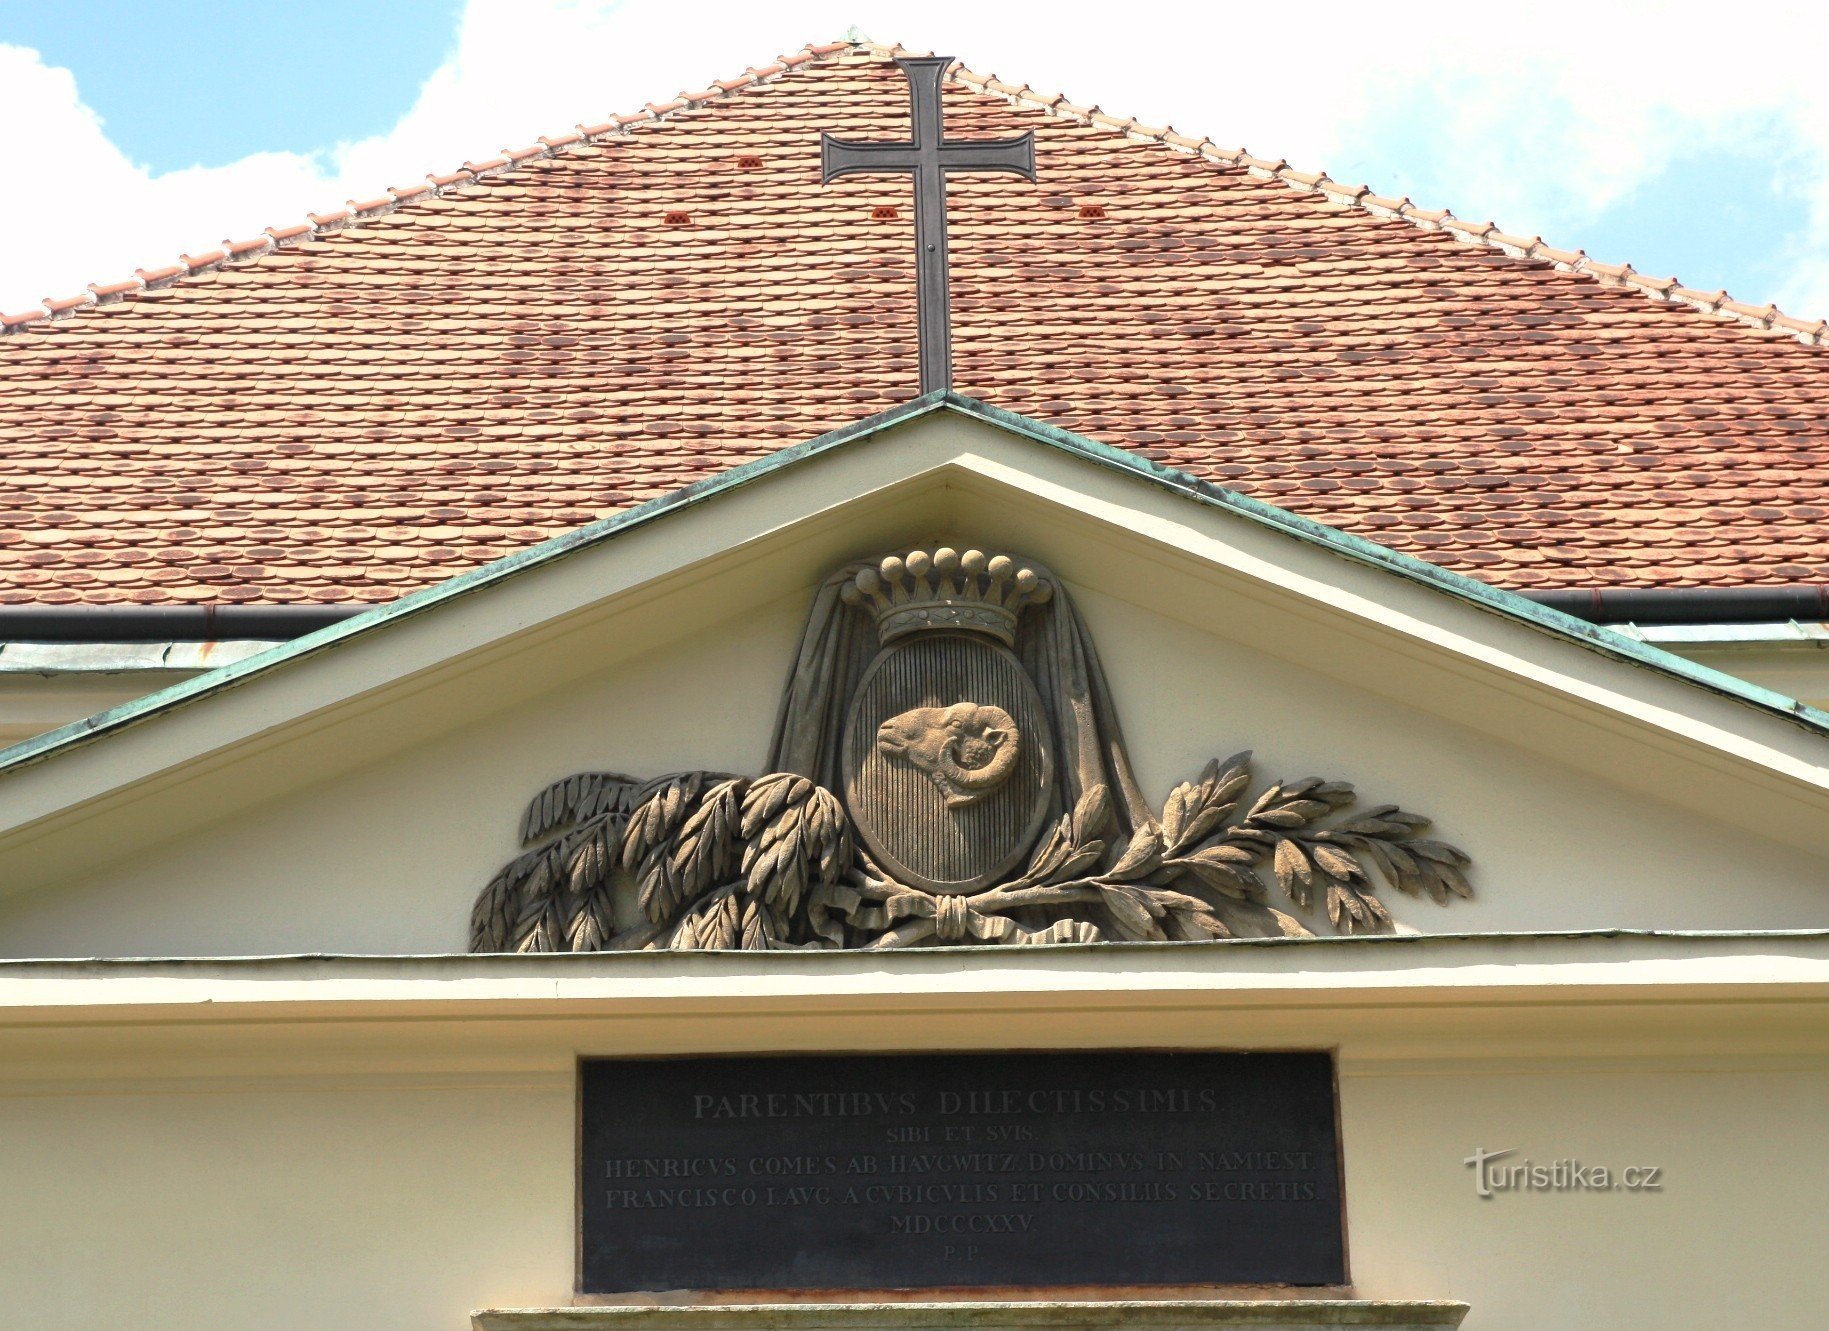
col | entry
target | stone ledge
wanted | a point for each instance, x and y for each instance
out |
(1103, 1315)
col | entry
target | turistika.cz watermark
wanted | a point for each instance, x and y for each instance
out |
(1495, 1172)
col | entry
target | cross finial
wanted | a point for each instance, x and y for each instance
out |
(927, 155)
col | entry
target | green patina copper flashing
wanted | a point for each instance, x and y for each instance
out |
(1481, 595)
(1596, 637)
(188, 691)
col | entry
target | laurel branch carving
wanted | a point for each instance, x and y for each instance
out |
(725, 862)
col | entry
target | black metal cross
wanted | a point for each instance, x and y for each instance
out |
(927, 157)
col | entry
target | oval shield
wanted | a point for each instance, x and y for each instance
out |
(948, 760)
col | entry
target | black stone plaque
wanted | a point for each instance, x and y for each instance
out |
(929, 1171)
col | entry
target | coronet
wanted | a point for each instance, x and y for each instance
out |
(915, 591)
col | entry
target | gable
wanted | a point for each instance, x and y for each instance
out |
(231, 432)
(353, 793)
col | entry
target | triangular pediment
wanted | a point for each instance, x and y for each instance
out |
(353, 791)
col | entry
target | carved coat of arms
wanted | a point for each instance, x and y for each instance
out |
(948, 768)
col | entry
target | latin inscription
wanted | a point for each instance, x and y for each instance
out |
(959, 1170)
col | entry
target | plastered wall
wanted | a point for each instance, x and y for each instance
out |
(390, 1203)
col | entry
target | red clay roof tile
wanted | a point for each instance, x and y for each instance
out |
(343, 410)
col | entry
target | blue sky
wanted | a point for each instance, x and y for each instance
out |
(146, 128)
(210, 81)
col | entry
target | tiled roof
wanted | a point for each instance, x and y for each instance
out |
(350, 409)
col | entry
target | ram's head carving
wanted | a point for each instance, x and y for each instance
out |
(966, 750)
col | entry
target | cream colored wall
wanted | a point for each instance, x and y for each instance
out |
(31, 704)
(1555, 847)
(271, 1205)
(1799, 671)
(246, 1207)
(388, 859)
(1726, 1242)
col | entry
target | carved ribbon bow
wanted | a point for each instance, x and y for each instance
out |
(899, 915)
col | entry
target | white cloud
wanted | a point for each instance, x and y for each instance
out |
(1541, 116)
(82, 212)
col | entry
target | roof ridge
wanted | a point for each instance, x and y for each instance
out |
(1663, 291)
(232, 252)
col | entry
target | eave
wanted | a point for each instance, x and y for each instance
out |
(1356, 549)
(1410, 1000)
(1161, 543)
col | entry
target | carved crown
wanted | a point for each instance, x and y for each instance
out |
(946, 590)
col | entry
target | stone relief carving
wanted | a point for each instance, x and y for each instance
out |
(967, 750)
(947, 768)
